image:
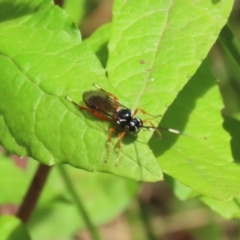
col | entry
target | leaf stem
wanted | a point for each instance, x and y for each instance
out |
(92, 229)
(30, 200)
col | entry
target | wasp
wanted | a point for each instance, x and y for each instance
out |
(106, 106)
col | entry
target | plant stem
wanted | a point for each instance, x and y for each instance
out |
(91, 228)
(30, 200)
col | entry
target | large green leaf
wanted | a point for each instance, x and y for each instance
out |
(154, 47)
(201, 158)
(153, 55)
(42, 61)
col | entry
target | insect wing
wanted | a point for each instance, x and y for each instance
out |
(99, 101)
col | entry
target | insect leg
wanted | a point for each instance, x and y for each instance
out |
(152, 127)
(111, 131)
(120, 136)
(92, 111)
(144, 112)
(95, 113)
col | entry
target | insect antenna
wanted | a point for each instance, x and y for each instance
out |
(70, 100)
(172, 130)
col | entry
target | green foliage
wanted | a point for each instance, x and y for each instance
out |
(200, 161)
(12, 228)
(76, 9)
(229, 210)
(154, 48)
(104, 196)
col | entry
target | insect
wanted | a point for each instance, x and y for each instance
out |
(104, 105)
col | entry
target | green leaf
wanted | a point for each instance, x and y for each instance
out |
(201, 160)
(229, 210)
(180, 190)
(75, 9)
(153, 49)
(170, 39)
(98, 43)
(37, 57)
(201, 157)
(12, 228)
(13, 176)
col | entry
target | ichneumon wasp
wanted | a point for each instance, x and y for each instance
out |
(104, 105)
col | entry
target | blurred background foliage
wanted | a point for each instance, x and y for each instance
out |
(150, 211)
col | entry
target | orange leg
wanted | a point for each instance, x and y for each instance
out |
(144, 112)
(111, 131)
(152, 127)
(92, 111)
(120, 136)
(95, 113)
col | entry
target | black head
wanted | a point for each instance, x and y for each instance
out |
(134, 126)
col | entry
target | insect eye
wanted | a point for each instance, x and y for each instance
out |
(134, 125)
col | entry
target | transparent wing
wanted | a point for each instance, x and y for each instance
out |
(100, 101)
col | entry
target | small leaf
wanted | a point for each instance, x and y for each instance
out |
(12, 228)
(229, 210)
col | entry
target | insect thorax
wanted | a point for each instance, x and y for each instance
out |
(126, 121)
